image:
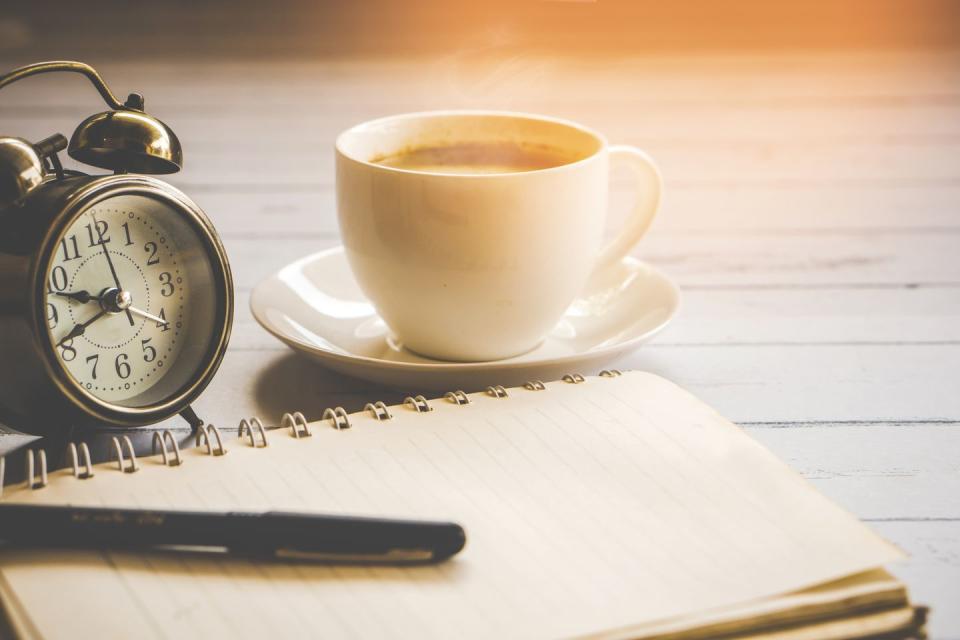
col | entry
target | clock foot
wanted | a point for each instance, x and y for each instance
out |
(192, 419)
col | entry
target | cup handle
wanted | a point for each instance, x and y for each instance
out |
(649, 186)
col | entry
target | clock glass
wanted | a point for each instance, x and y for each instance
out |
(129, 304)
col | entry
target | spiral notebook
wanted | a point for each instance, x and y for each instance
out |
(610, 506)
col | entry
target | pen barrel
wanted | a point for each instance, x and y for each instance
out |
(357, 535)
(270, 533)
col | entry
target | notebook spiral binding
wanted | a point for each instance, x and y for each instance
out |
(378, 410)
(85, 454)
(246, 428)
(338, 418)
(417, 403)
(161, 439)
(457, 397)
(206, 433)
(252, 429)
(117, 452)
(40, 459)
(297, 424)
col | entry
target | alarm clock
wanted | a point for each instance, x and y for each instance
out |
(116, 298)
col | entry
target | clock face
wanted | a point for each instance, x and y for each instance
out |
(130, 303)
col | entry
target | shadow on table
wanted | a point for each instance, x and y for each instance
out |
(294, 383)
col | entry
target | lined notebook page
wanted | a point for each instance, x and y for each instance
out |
(588, 507)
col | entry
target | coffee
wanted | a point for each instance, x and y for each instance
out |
(478, 157)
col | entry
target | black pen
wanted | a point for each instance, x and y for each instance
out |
(272, 534)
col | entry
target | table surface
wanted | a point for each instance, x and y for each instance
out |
(811, 218)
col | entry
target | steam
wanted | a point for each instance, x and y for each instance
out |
(495, 71)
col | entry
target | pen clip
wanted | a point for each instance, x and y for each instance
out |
(392, 556)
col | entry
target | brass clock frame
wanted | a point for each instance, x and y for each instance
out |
(43, 392)
(38, 202)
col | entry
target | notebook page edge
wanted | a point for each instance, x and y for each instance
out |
(864, 592)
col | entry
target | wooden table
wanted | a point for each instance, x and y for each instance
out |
(811, 219)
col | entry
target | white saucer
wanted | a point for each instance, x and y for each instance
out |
(315, 306)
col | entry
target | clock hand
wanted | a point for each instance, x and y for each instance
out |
(113, 271)
(79, 329)
(144, 314)
(79, 296)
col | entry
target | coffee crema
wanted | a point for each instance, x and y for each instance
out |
(478, 158)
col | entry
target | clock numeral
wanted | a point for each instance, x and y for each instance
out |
(167, 281)
(68, 352)
(163, 326)
(126, 233)
(100, 233)
(122, 366)
(52, 316)
(94, 359)
(151, 248)
(58, 278)
(149, 353)
(70, 249)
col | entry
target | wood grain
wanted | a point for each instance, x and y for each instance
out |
(742, 260)
(766, 317)
(692, 209)
(746, 383)
(791, 79)
(862, 163)
(812, 219)
(913, 471)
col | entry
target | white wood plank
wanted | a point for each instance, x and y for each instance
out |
(287, 212)
(688, 209)
(688, 205)
(667, 104)
(787, 78)
(843, 316)
(766, 383)
(806, 259)
(876, 471)
(814, 383)
(224, 160)
(766, 317)
(875, 208)
(806, 193)
(315, 122)
(722, 260)
(759, 164)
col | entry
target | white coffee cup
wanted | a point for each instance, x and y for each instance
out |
(471, 267)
